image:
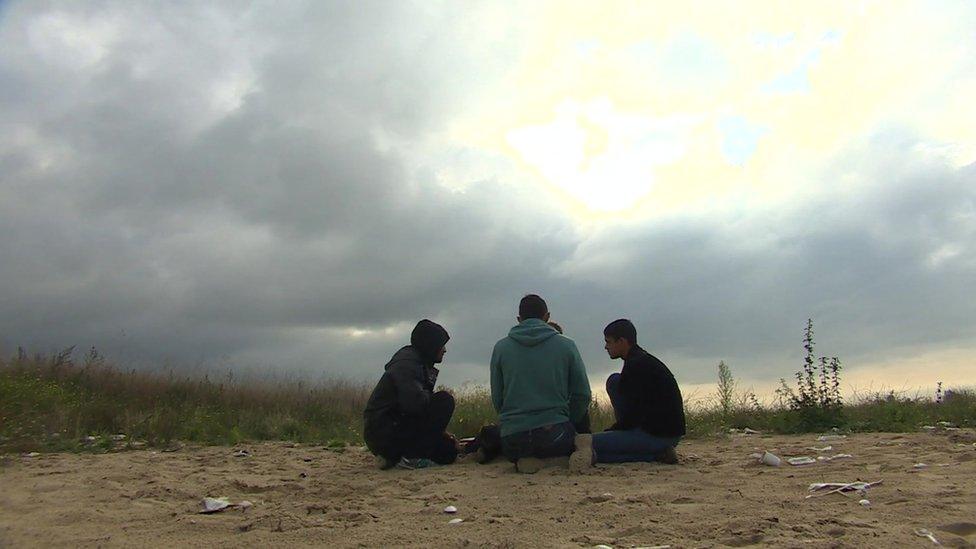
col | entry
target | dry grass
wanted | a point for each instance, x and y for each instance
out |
(55, 403)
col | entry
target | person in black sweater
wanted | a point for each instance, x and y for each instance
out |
(405, 421)
(647, 406)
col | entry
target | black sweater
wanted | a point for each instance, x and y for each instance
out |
(654, 399)
(404, 390)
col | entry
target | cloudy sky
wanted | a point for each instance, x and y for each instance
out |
(290, 186)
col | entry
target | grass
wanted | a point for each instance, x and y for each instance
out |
(53, 403)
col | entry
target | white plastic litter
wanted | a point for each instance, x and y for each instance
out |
(833, 457)
(946, 424)
(770, 459)
(118, 438)
(748, 431)
(922, 532)
(602, 547)
(824, 488)
(823, 438)
(213, 505)
(455, 521)
(920, 466)
(801, 460)
(242, 454)
(32, 454)
(865, 503)
(450, 509)
(821, 448)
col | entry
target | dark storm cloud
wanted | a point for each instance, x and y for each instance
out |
(191, 184)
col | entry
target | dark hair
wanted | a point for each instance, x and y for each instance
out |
(621, 328)
(532, 306)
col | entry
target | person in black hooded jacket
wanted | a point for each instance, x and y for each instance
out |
(405, 421)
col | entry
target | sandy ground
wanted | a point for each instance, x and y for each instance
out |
(307, 495)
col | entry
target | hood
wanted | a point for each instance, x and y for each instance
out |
(428, 338)
(531, 332)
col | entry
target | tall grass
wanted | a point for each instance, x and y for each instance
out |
(53, 402)
(56, 403)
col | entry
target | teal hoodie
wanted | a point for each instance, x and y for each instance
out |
(537, 378)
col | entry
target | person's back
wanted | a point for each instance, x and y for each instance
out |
(538, 387)
(538, 378)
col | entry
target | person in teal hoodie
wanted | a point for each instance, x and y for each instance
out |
(538, 387)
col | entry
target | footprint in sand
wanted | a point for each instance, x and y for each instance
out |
(959, 528)
(743, 541)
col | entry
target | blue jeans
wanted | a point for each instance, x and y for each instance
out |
(542, 442)
(617, 400)
(629, 445)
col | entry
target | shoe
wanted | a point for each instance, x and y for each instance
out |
(415, 463)
(528, 465)
(668, 455)
(383, 463)
(584, 457)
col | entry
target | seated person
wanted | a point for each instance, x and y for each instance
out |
(405, 421)
(538, 387)
(488, 443)
(647, 406)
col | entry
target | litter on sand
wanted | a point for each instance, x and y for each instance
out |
(833, 457)
(823, 438)
(801, 460)
(865, 503)
(821, 449)
(920, 466)
(450, 509)
(771, 459)
(242, 454)
(215, 505)
(922, 532)
(824, 488)
(455, 521)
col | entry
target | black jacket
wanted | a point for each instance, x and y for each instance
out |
(403, 390)
(654, 399)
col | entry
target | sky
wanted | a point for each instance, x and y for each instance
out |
(286, 188)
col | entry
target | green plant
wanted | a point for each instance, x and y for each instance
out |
(817, 399)
(726, 389)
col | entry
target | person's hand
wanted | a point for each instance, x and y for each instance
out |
(453, 439)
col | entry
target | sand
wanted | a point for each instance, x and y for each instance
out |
(307, 495)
